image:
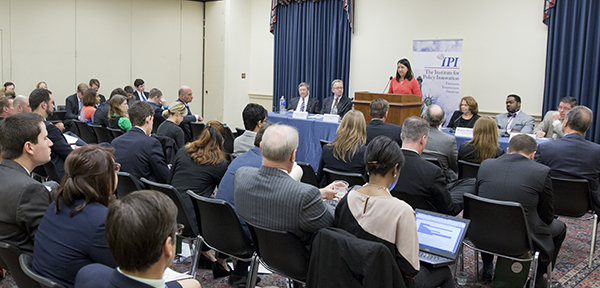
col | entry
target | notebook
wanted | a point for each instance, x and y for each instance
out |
(440, 237)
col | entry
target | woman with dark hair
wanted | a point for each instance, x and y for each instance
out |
(117, 113)
(404, 82)
(372, 213)
(90, 99)
(466, 115)
(484, 144)
(71, 234)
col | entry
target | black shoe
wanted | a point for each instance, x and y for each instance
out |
(239, 281)
(205, 263)
(219, 271)
(486, 274)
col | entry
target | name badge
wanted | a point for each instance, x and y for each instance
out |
(300, 115)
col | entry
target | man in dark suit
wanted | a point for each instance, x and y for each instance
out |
(25, 145)
(338, 103)
(139, 93)
(379, 113)
(440, 145)
(145, 219)
(74, 103)
(186, 96)
(422, 184)
(41, 103)
(572, 156)
(139, 154)
(101, 114)
(95, 84)
(528, 183)
(304, 103)
(155, 100)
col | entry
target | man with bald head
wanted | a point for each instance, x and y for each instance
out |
(186, 96)
(440, 145)
(21, 104)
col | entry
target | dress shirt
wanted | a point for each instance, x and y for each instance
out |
(510, 120)
(156, 283)
(300, 101)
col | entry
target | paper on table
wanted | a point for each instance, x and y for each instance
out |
(70, 139)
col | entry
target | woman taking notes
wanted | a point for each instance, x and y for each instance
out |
(404, 82)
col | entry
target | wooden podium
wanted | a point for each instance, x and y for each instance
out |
(401, 106)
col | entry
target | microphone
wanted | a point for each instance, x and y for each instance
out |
(386, 86)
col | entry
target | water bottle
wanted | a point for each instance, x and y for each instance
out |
(282, 105)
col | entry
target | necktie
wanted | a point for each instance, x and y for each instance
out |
(302, 106)
(334, 109)
(511, 117)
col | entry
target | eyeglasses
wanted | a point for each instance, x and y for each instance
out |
(179, 229)
(117, 167)
(564, 108)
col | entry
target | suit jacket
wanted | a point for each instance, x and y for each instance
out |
(60, 148)
(344, 105)
(573, 157)
(377, 127)
(101, 114)
(185, 124)
(442, 146)
(355, 164)
(243, 143)
(24, 202)
(72, 106)
(141, 155)
(513, 177)
(268, 197)
(421, 179)
(100, 276)
(311, 107)
(136, 96)
(548, 128)
(522, 123)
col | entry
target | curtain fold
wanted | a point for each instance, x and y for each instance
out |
(573, 57)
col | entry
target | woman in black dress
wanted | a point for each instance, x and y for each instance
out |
(484, 144)
(466, 115)
(170, 128)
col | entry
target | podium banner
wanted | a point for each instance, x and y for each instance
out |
(439, 63)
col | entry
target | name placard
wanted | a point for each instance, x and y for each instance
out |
(331, 118)
(464, 132)
(300, 115)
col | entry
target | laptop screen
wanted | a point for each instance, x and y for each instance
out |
(440, 234)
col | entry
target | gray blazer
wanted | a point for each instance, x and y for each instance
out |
(548, 128)
(523, 123)
(268, 197)
(442, 146)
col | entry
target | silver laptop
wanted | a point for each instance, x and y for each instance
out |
(440, 237)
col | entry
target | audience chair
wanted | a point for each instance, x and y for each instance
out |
(10, 256)
(434, 161)
(228, 137)
(281, 252)
(572, 198)
(57, 116)
(25, 263)
(196, 128)
(499, 228)
(101, 133)
(467, 169)
(115, 132)
(85, 132)
(324, 142)
(61, 108)
(127, 184)
(190, 227)
(239, 131)
(308, 174)
(351, 178)
(222, 232)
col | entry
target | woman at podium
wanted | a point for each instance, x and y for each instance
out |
(404, 83)
(466, 115)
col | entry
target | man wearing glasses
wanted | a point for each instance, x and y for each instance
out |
(551, 127)
(338, 103)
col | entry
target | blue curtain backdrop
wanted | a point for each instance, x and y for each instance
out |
(312, 45)
(573, 57)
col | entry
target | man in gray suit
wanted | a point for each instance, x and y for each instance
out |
(440, 145)
(515, 120)
(551, 126)
(268, 197)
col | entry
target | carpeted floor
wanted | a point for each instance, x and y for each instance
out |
(571, 269)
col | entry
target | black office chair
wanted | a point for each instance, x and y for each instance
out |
(127, 184)
(434, 161)
(57, 116)
(102, 134)
(351, 178)
(499, 228)
(228, 144)
(115, 132)
(308, 174)
(467, 169)
(25, 263)
(239, 131)
(324, 142)
(190, 232)
(222, 231)
(196, 128)
(85, 132)
(281, 252)
(10, 256)
(572, 198)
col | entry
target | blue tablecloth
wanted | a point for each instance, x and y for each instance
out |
(503, 141)
(310, 131)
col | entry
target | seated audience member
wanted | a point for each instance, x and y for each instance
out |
(129, 93)
(420, 178)
(551, 126)
(186, 96)
(370, 212)
(254, 116)
(77, 213)
(170, 128)
(6, 107)
(304, 103)
(9, 86)
(139, 154)
(74, 104)
(572, 156)
(140, 231)
(484, 144)
(338, 103)
(404, 82)
(21, 104)
(95, 84)
(347, 152)
(25, 145)
(41, 84)
(258, 190)
(118, 113)
(10, 94)
(90, 100)
(41, 101)
(440, 145)
(515, 120)
(466, 115)
(155, 100)
(530, 185)
(140, 90)
(101, 114)
(378, 109)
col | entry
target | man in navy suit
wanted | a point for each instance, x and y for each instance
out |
(304, 103)
(139, 93)
(155, 100)
(338, 103)
(572, 156)
(139, 154)
(140, 231)
(379, 113)
(74, 103)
